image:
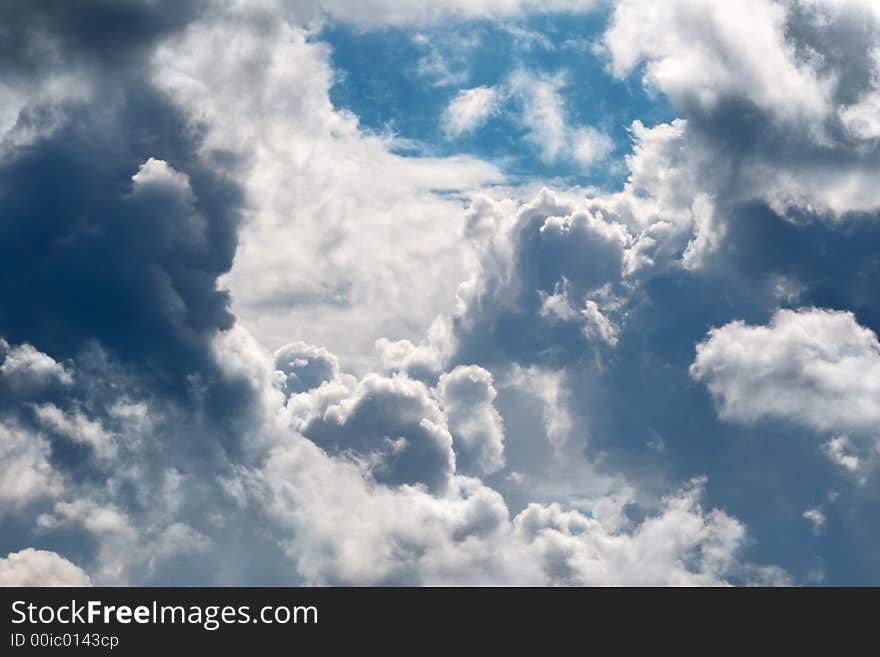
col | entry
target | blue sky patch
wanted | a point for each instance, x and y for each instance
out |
(401, 81)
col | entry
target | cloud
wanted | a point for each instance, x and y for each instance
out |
(25, 368)
(26, 473)
(860, 119)
(576, 550)
(770, 88)
(816, 518)
(496, 359)
(469, 110)
(590, 146)
(381, 536)
(344, 527)
(336, 218)
(76, 427)
(839, 451)
(812, 367)
(392, 424)
(303, 514)
(701, 52)
(50, 53)
(543, 264)
(374, 13)
(818, 368)
(303, 367)
(98, 222)
(546, 118)
(30, 567)
(466, 395)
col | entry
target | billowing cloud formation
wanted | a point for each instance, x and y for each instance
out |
(507, 391)
(468, 539)
(794, 78)
(681, 44)
(362, 520)
(31, 567)
(120, 232)
(288, 143)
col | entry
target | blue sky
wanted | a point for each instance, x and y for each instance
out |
(379, 293)
(400, 80)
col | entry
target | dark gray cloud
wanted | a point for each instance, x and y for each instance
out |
(134, 270)
(303, 367)
(395, 427)
(38, 35)
(89, 254)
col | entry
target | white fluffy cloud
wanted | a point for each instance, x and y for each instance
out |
(578, 550)
(714, 59)
(470, 109)
(30, 567)
(336, 219)
(699, 52)
(340, 526)
(347, 532)
(816, 367)
(25, 471)
(466, 395)
(25, 368)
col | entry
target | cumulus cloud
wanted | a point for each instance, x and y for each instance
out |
(467, 419)
(352, 197)
(543, 264)
(395, 426)
(700, 52)
(30, 567)
(466, 395)
(25, 368)
(347, 528)
(815, 367)
(777, 74)
(303, 367)
(468, 538)
(576, 550)
(114, 226)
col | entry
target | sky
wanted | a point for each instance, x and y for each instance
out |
(460, 292)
